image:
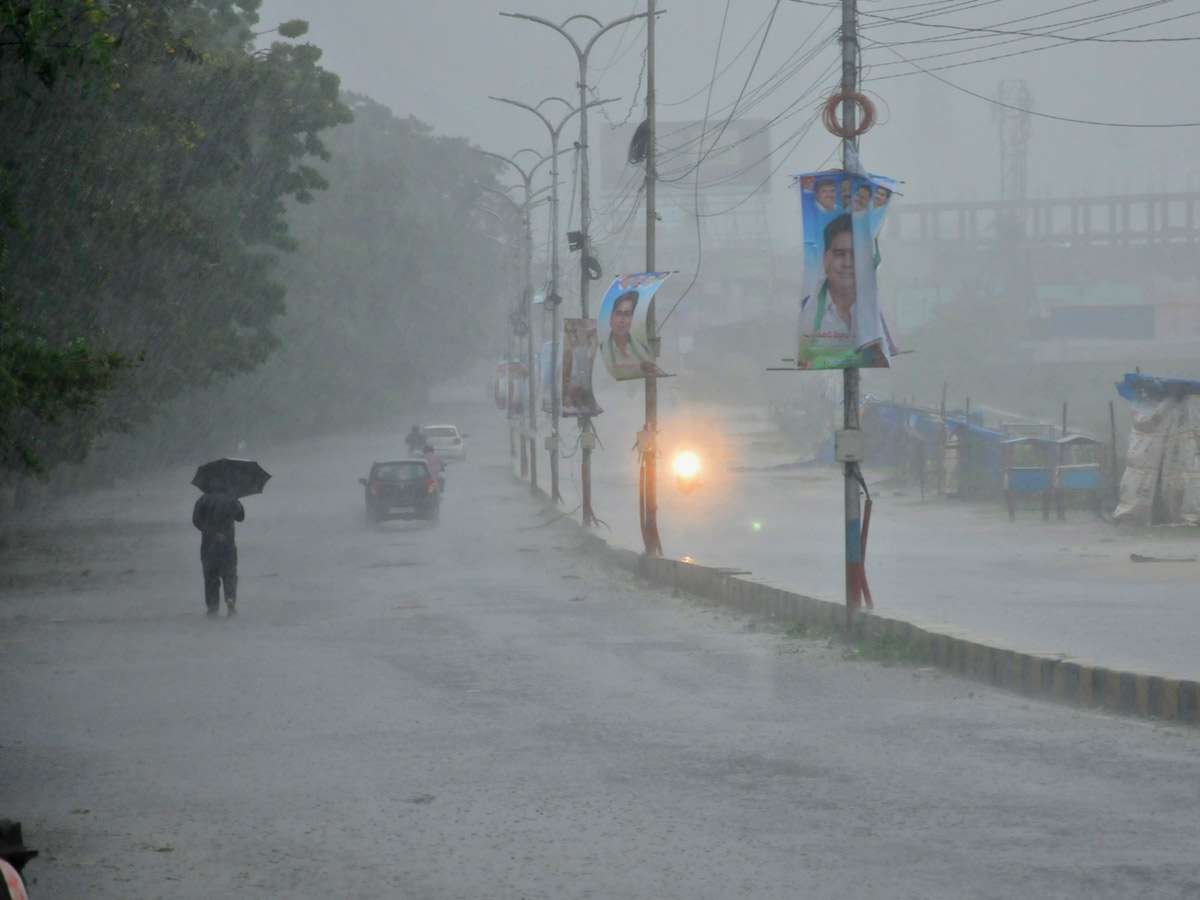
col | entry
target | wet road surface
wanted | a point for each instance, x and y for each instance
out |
(1069, 588)
(480, 711)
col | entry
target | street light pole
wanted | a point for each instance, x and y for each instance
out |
(581, 55)
(531, 413)
(513, 334)
(552, 296)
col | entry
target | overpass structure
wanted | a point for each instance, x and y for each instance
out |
(1097, 278)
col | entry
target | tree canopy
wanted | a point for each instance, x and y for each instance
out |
(147, 155)
(394, 285)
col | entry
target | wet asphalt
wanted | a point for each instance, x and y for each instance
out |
(479, 710)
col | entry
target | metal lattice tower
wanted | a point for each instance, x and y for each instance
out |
(1013, 271)
(1013, 117)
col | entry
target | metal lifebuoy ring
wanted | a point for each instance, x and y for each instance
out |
(866, 117)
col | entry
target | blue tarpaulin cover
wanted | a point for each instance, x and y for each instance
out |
(1154, 388)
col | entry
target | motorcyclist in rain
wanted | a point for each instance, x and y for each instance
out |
(436, 466)
(415, 441)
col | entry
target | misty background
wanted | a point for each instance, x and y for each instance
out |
(391, 264)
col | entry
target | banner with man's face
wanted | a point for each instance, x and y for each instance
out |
(841, 323)
(579, 345)
(623, 345)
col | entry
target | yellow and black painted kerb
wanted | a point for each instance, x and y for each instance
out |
(1038, 675)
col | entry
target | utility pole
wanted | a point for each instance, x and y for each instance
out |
(850, 376)
(587, 438)
(649, 462)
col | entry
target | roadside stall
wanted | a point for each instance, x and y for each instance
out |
(1073, 476)
(1029, 462)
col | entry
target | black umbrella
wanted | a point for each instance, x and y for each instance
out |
(239, 477)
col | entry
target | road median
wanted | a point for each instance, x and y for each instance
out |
(1038, 675)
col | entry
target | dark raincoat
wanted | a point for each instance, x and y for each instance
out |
(214, 514)
(414, 440)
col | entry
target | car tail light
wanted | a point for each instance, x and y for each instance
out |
(373, 487)
(431, 485)
(458, 440)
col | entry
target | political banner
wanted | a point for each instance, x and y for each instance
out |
(841, 323)
(625, 351)
(510, 384)
(579, 346)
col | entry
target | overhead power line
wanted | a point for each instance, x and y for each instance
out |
(1070, 119)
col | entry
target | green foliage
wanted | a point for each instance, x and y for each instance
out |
(39, 385)
(40, 42)
(884, 651)
(801, 631)
(394, 285)
(293, 29)
(50, 39)
(148, 221)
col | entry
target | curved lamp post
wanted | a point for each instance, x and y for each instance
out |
(552, 296)
(530, 412)
(581, 56)
(506, 225)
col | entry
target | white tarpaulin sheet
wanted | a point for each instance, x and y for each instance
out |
(1161, 483)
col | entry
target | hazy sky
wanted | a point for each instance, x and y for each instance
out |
(440, 61)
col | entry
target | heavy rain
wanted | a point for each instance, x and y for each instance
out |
(428, 469)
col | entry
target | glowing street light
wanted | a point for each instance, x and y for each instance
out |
(686, 467)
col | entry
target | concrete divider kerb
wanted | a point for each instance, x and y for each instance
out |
(1042, 676)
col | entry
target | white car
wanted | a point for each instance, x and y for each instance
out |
(446, 441)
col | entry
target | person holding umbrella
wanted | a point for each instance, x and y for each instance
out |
(214, 514)
(223, 481)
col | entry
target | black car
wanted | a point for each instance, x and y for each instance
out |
(402, 489)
